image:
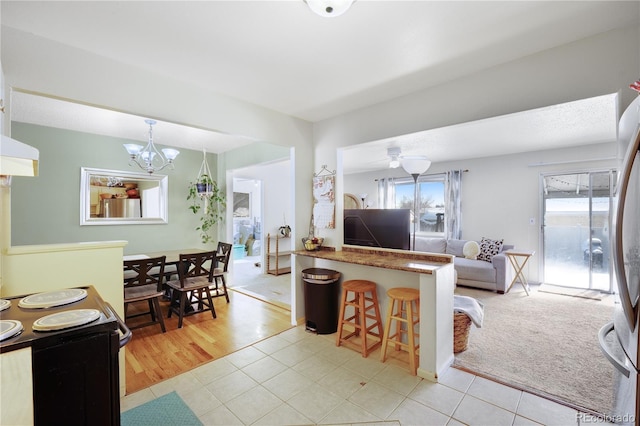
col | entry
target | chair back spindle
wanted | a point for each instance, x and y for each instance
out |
(196, 265)
(141, 272)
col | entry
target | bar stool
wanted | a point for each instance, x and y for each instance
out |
(405, 313)
(362, 304)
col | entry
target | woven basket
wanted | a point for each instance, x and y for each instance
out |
(461, 326)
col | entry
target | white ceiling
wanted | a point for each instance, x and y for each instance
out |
(279, 55)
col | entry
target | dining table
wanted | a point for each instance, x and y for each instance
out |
(172, 256)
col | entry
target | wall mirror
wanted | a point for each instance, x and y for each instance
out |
(113, 197)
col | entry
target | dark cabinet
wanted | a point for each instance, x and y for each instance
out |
(76, 382)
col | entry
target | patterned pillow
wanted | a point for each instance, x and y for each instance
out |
(489, 248)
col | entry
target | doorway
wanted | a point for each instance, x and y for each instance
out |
(271, 186)
(575, 229)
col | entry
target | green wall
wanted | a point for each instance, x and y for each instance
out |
(46, 209)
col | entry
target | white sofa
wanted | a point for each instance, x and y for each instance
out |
(495, 275)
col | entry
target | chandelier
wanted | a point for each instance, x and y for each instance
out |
(148, 157)
(329, 8)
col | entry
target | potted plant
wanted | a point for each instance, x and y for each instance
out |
(284, 231)
(210, 203)
(203, 185)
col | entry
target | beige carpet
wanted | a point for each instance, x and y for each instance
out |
(544, 343)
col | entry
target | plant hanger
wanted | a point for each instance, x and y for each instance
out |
(206, 198)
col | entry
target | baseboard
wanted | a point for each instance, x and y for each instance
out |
(433, 376)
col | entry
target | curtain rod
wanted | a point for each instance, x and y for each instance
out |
(432, 174)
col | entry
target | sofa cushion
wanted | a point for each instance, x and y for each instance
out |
(489, 248)
(455, 247)
(431, 245)
(476, 270)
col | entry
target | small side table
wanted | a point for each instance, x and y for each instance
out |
(519, 259)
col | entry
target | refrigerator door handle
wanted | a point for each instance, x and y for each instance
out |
(629, 306)
(602, 335)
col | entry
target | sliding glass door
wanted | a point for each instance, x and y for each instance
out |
(576, 224)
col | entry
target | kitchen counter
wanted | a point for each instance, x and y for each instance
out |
(400, 260)
(431, 273)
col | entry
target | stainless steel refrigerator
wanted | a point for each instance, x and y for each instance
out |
(619, 339)
(120, 207)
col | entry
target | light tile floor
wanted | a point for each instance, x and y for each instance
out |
(299, 378)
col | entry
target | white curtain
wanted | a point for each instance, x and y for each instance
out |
(453, 212)
(386, 193)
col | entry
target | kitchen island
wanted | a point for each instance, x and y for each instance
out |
(431, 273)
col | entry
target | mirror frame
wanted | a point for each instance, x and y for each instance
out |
(87, 173)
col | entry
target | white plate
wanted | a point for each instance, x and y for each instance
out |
(9, 328)
(4, 304)
(52, 299)
(66, 319)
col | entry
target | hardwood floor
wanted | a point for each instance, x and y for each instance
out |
(153, 356)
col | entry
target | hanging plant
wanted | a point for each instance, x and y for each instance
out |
(207, 199)
(284, 230)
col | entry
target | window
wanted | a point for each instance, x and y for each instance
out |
(431, 209)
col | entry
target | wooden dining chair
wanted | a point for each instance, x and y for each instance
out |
(143, 282)
(219, 288)
(195, 275)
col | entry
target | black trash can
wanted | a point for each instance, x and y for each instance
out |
(321, 293)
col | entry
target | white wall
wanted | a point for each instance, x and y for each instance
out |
(366, 183)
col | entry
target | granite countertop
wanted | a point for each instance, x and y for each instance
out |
(401, 260)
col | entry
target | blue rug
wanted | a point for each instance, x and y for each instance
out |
(169, 409)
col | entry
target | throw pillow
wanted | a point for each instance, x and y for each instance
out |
(471, 250)
(489, 248)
